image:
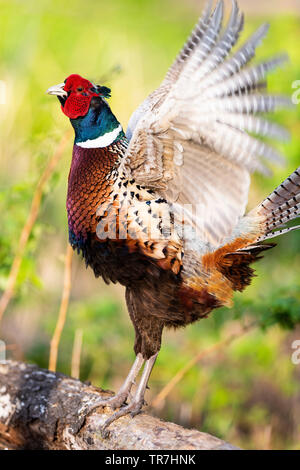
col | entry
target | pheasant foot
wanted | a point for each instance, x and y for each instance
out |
(137, 402)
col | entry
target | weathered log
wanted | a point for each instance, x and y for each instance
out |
(40, 409)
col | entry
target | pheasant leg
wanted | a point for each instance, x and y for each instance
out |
(135, 405)
(120, 398)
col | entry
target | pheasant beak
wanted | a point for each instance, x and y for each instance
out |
(57, 90)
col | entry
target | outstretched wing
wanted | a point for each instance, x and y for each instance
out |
(158, 95)
(194, 139)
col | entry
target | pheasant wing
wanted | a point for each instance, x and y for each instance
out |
(195, 139)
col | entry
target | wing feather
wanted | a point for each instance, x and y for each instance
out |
(190, 138)
(158, 95)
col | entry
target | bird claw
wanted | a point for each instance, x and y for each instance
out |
(136, 403)
(104, 433)
(113, 402)
(135, 412)
(131, 409)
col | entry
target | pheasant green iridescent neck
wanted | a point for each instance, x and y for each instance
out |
(98, 128)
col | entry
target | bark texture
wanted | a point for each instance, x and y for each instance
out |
(45, 410)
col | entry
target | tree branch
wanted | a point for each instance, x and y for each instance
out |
(40, 409)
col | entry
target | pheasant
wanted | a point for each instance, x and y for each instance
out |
(162, 208)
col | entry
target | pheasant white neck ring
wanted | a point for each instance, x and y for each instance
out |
(103, 140)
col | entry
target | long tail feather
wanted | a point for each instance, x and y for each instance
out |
(281, 207)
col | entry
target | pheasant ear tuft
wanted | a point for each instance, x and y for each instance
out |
(104, 91)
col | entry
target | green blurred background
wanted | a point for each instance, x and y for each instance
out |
(247, 392)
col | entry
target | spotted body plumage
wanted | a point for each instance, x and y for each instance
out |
(131, 200)
(102, 196)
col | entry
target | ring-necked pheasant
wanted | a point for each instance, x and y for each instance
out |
(161, 209)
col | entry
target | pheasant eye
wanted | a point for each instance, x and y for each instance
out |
(80, 88)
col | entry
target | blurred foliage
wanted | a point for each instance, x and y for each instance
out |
(249, 392)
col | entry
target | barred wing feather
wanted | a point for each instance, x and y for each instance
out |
(190, 138)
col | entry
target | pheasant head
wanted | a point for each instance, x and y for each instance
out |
(84, 103)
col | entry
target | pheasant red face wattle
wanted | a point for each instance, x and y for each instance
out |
(80, 92)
